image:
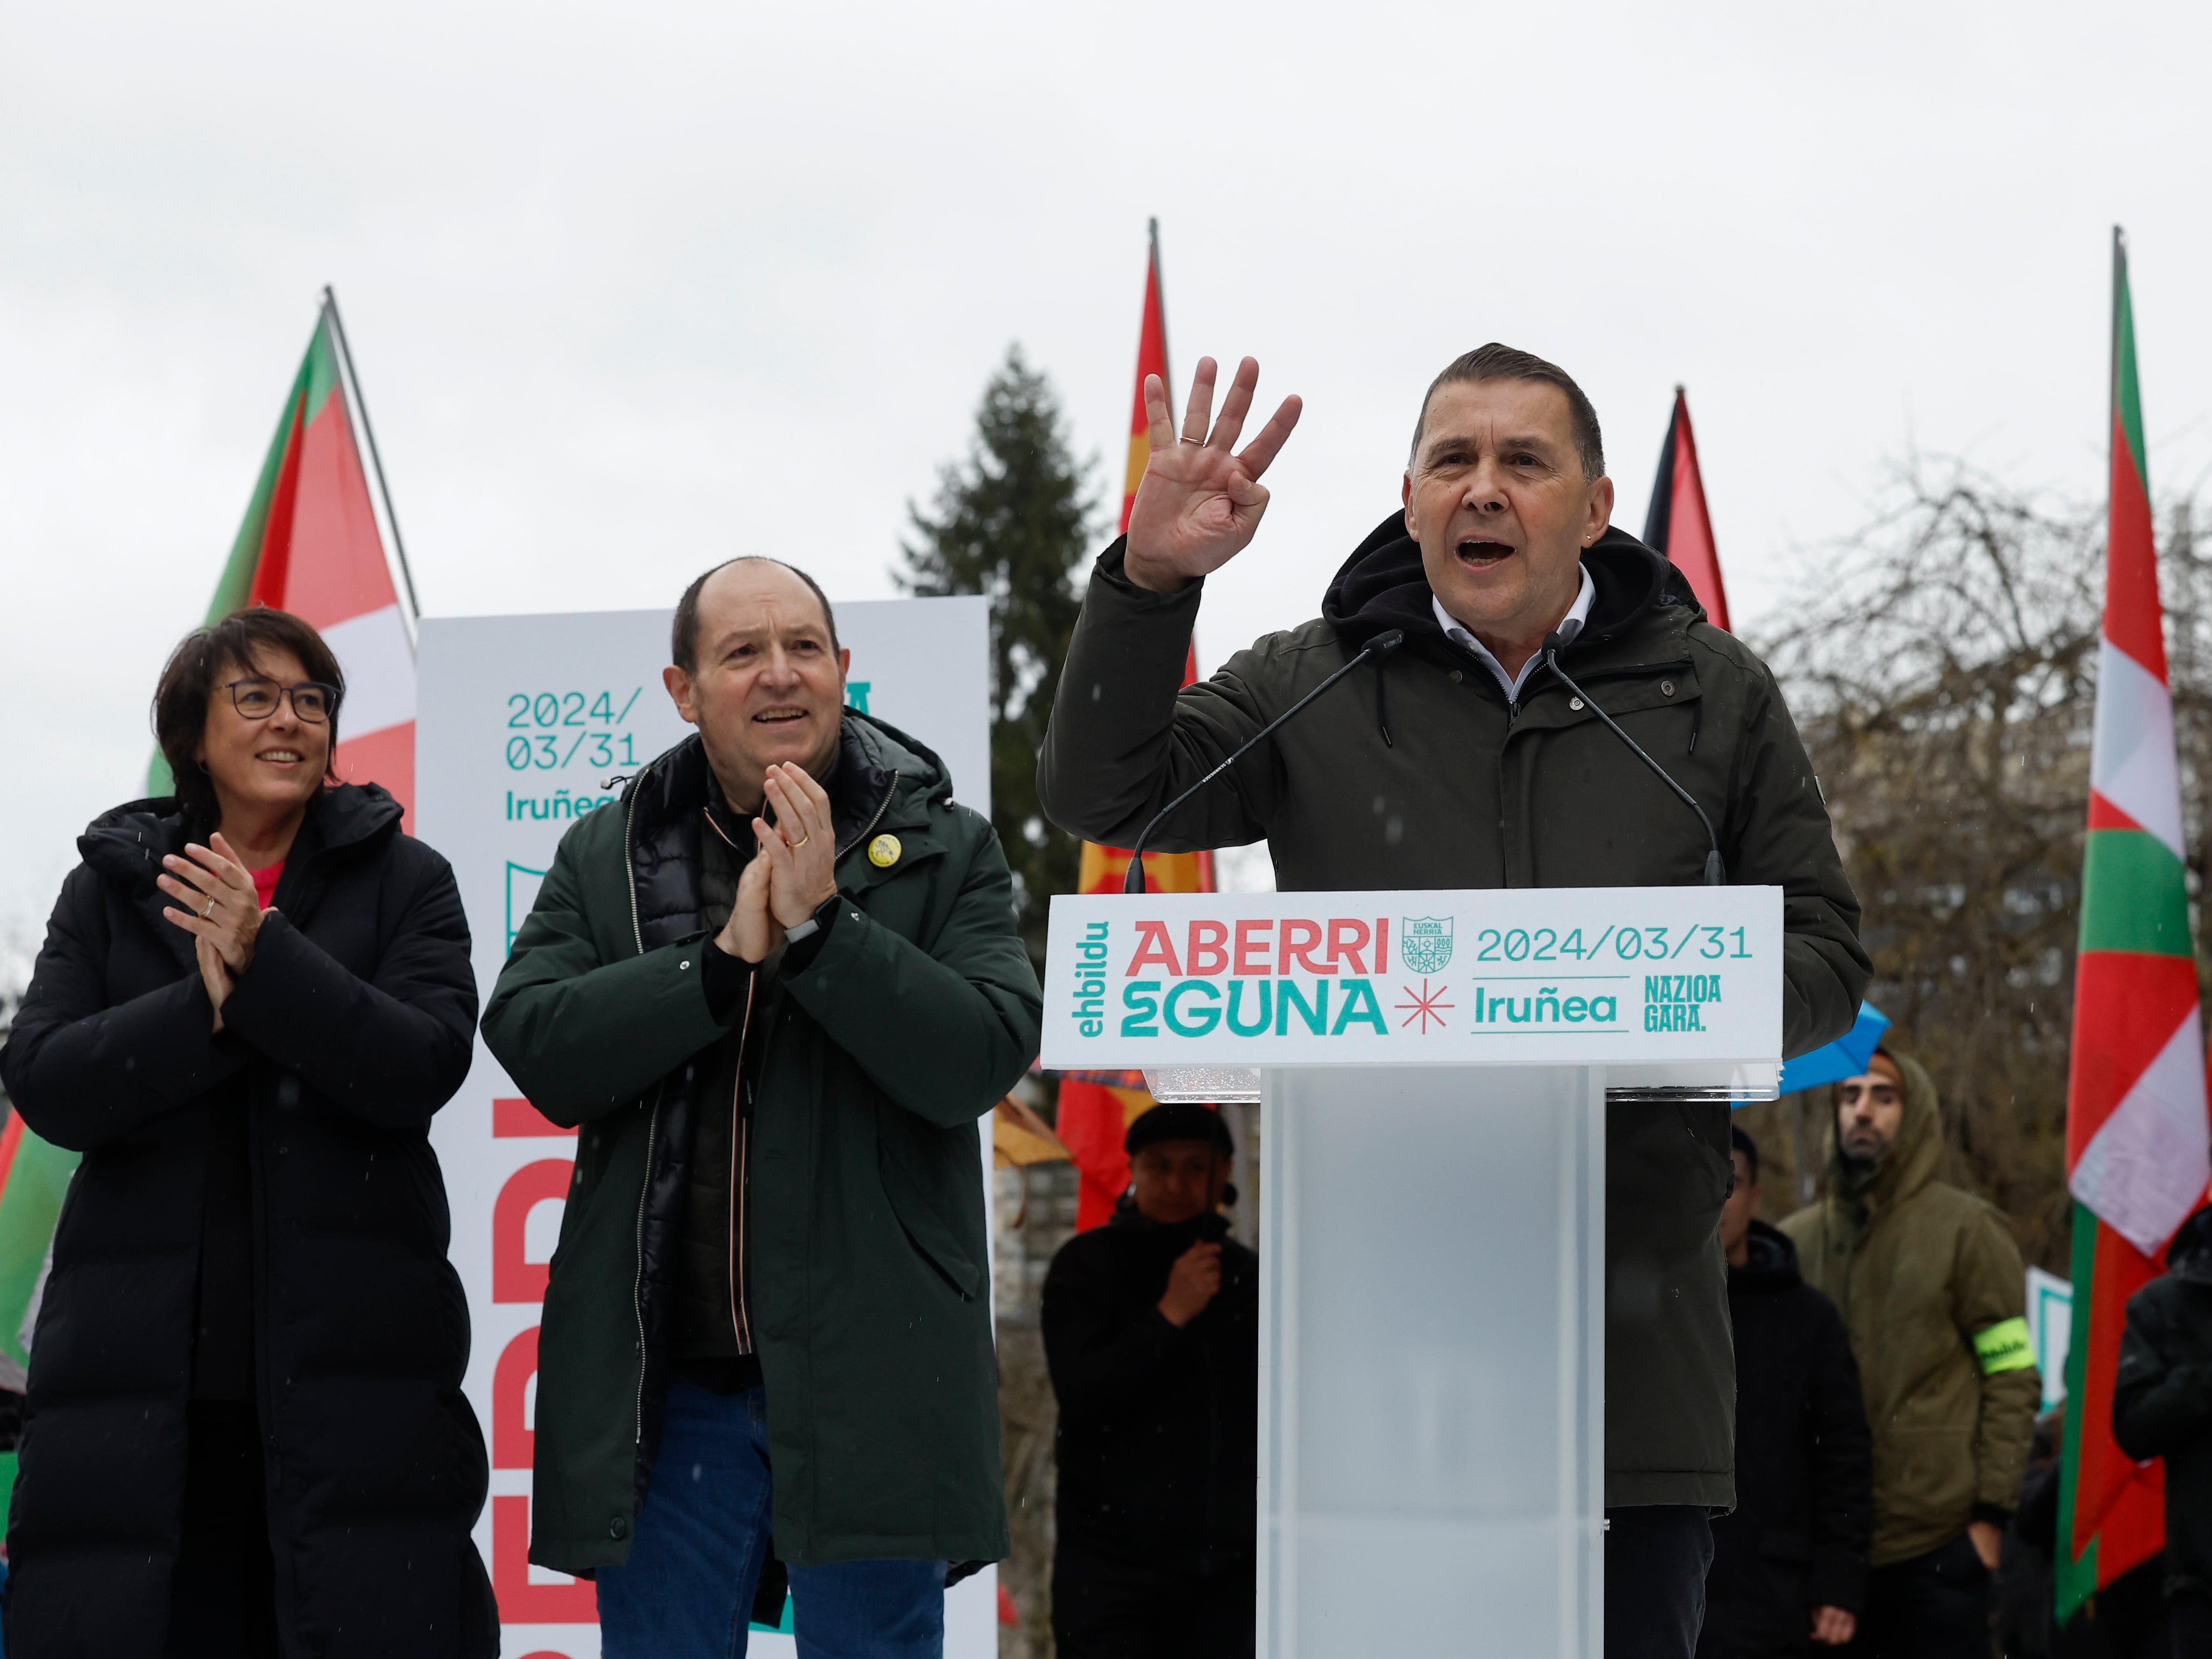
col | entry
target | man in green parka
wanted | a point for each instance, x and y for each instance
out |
(774, 988)
(1932, 1290)
(1463, 760)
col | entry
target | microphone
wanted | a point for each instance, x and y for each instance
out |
(1376, 648)
(1715, 873)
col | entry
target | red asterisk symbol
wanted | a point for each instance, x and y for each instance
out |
(1424, 1005)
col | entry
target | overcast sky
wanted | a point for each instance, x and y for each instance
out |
(635, 288)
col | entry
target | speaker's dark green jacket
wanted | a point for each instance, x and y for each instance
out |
(866, 1240)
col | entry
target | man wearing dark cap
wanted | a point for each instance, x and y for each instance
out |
(1151, 1327)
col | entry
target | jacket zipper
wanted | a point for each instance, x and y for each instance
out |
(741, 1121)
(882, 807)
(740, 1172)
(740, 1144)
(652, 1120)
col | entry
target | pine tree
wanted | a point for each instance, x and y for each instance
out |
(1014, 522)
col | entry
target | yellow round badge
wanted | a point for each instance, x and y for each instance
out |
(883, 851)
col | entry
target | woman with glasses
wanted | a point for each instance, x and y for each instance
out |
(244, 1433)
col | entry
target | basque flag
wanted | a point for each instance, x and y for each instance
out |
(2138, 1134)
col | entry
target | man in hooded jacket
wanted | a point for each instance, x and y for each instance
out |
(1465, 762)
(1930, 1285)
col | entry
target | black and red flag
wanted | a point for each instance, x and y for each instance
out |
(1678, 525)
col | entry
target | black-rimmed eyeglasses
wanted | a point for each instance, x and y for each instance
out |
(256, 697)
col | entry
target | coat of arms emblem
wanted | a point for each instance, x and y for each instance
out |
(1424, 943)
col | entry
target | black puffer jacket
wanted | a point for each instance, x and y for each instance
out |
(2162, 1399)
(349, 1030)
(1159, 1427)
(1804, 1465)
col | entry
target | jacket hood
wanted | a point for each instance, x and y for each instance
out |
(2189, 1252)
(126, 844)
(1912, 1159)
(1771, 1263)
(1383, 586)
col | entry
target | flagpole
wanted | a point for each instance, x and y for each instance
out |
(2112, 356)
(376, 461)
(1160, 292)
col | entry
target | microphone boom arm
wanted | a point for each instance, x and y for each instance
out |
(1715, 872)
(1375, 649)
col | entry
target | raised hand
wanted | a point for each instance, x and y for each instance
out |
(222, 913)
(801, 850)
(1199, 503)
(751, 931)
(215, 977)
(1193, 1281)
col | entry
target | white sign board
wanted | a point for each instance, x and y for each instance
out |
(2050, 1330)
(1519, 976)
(524, 724)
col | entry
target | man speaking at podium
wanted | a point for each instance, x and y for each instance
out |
(1462, 760)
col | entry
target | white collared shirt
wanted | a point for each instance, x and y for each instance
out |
(1570, 625)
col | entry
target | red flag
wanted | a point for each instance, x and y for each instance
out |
(1677, 524)
(1093, 1116)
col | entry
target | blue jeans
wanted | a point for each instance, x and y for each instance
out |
(687, 1590)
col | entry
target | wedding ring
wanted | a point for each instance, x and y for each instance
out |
(800, 843)
(1195, 440)
(207, 913)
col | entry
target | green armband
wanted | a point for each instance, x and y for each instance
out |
(2004, 1348)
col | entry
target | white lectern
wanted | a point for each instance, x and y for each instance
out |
(1433, 1069)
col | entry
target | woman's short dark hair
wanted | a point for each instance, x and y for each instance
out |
(187, 684)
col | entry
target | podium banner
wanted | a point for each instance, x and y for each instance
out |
(1520, 977)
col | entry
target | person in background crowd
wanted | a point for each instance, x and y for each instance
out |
(776, 990)
(2162, 1407)
(1151, 1330)
(244, 1433)
(1462, 760)
(1929, 1284)
(1790, 1565)
(2124, 1620)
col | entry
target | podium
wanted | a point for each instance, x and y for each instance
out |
(1433, 1070)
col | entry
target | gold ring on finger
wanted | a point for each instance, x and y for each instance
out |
(209, 911)
(800, 843)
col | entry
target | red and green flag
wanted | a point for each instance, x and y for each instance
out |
(2138, 1134)
(1095, 1115)
(311, 544)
